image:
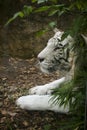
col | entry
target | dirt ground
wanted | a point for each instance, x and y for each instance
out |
(16, 77)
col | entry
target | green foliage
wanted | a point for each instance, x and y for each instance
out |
(52, 24)
(18, 14)
(47, 127)
(73, 93)
(41, 32)
(42, 9)
(27, 10)
(62, 91)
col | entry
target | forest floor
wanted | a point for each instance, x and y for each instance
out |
(16, 77)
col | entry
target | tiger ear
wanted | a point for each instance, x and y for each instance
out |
(85, 38)
(56, 30)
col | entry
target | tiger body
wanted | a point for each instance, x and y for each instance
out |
(57, 55)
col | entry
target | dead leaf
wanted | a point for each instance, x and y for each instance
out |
(12, 113)
(25, 123)
(3, 112)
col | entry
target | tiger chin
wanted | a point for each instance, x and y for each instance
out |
(57, 55)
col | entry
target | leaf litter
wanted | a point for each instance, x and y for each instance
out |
(16, 77)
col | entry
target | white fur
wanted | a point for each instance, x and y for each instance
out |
(47, 88)
(40, 101)
(48, 52)
(37, 102)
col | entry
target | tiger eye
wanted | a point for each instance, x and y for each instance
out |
(56, 48)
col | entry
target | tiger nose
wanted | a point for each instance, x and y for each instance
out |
(41, 59)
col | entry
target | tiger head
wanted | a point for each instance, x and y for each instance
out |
(57, 54)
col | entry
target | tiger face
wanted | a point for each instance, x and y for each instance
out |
(56, 55)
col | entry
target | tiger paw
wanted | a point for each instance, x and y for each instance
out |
(40, 90)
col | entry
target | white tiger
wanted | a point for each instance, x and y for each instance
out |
(57, 55)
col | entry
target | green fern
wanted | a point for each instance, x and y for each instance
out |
(73, 93)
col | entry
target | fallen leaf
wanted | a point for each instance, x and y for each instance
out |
(25, 123)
